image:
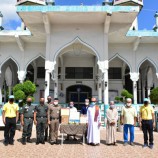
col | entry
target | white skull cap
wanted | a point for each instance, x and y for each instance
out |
(129, 100)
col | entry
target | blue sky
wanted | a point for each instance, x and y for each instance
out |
(12, 21)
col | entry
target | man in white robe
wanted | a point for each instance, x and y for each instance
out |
(94, 123)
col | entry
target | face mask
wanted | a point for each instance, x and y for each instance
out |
(11, 100)
(93, 103)
(55, 103)
(41, 102)
(49, 100)
(128, 104)
(86, 103)
(71, 105)
(146, 103)
(29, 102)
(112, 106)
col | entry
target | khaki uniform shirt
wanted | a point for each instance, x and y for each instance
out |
(54, 112)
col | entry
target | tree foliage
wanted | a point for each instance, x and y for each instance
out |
(24, 90)
(124, 95)
(19, 95)
(154, 96)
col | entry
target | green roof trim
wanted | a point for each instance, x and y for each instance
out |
(142, 33)
(48, 8)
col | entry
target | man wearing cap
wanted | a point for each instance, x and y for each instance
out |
(147, 122)
(85, 107)
(10, 117)
(93, 123)
(48, 103)
(54, 118)
(27, 114)
(40, 120)
(128, 119)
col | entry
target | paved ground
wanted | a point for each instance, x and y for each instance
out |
(77, 150)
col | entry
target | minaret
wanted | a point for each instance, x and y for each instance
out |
(50, 2)
(31, 2)
(156, 25)
(128, 3)
(105, 2)
(1, 19)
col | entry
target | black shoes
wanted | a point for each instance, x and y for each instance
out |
(29, 140)
(5, 143)
(43, 142)
(52, 143)
(23, 141)
(37, 143)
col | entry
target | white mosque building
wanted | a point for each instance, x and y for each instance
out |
(76, 52)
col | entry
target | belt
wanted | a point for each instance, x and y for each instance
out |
(147, 120)
(41, 116)
(54, 118)
(11, 117)
(28, 117)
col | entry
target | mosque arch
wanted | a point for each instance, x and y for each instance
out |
(150, 61)
(34, 58)
(7, 59)
(121, 58)
(77, 39)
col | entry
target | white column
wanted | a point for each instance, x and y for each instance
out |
(49, 67)
(47, 83)
(139, 90)
(148, 88)
(103, 66)
(106, 88)
(21, 76)
(100, 87)
(56, 82)
(135, 91)
(134, 77)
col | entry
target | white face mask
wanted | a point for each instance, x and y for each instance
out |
(112, 106)
(86, 103)
(128, 104)
(71, 105)
(55, 103)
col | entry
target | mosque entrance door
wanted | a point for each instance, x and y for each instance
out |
(78, 94)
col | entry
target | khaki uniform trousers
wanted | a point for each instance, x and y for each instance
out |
(54, 126)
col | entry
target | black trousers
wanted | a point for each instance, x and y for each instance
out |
(9, 131)
(47, 132)
(147, 127)
(40, 128)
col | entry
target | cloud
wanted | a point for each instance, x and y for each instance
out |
(8, 9)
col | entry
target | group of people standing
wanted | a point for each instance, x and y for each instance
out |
(129, 119)
(47, 118)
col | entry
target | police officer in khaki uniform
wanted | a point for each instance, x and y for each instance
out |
(47, 130)
(54, 117)
(40, 120)
(27, 114)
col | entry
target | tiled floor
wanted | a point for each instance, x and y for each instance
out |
(74, 149)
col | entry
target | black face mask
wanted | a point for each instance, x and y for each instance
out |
(11, 100)
(28, 102)
(41, 102)
(49, 100)
(146, 103)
